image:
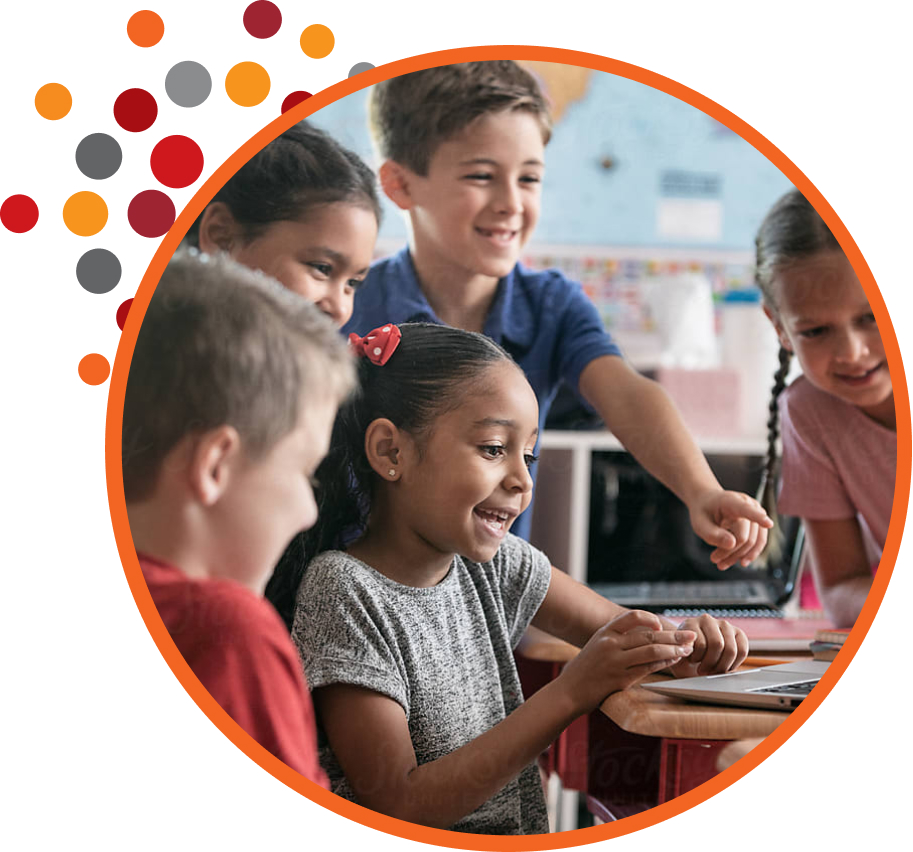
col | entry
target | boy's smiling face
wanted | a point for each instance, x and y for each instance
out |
(479, 203)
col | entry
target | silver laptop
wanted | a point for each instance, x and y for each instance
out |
(772, 687)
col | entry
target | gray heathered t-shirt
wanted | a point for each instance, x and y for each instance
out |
(443, 653)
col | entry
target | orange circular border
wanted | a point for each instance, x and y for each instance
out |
(119, 511)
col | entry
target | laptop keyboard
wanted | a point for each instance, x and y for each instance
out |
(800, 689)
(721, 612)
(686, 599)
(686, 590)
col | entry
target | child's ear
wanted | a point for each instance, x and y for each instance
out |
(212, 463)
(781, 332)
(219, 230)
(395, 180)
(387, 448)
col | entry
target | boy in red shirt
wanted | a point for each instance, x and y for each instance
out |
(233, 389)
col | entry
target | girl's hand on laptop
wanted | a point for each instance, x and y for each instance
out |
(719, 647)
(620, 654)
(733, 522)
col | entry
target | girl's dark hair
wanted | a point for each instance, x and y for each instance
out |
(221, 345)
(792, 231)
(429, 374)
(300, 169)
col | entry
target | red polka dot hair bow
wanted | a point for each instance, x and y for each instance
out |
(378, 345)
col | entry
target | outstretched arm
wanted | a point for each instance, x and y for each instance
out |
(642, 416)
(370, 737)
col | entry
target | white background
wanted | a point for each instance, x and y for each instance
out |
(102, 746)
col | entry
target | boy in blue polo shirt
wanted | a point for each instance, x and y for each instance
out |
(463, 149)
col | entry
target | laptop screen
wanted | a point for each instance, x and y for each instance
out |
(639, 531)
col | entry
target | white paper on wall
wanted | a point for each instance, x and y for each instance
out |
(697, 220)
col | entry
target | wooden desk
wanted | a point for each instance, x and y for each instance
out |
(640, 711)
(644, 749)
(641, 748)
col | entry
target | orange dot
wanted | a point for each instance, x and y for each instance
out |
(53, 101)
(85, 213)
(247, 84)
(317, 41)
(94, 369)
(145, 28)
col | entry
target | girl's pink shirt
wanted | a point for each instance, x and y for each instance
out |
(837, 462)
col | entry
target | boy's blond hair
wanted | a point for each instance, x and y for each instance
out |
(223, 345)
(411, 115)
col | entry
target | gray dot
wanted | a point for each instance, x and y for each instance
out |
(361, 66)
(98, 271)
(188, 84)
(98, 156)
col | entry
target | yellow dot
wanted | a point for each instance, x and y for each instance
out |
(317, 41)
(247, 84)
(53, 101)
(85, 213)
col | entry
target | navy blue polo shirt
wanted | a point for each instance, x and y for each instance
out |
(543, 319)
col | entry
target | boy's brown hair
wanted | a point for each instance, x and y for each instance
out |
(223, 345)
(411, 115)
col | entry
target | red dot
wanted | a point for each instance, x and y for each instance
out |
(122, 312)
(151, 213)
(262, 19)
(19, 214)
(135, 110)
(176, 161)
(294, 99)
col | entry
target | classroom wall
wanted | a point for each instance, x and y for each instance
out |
(657, 148)
(649, 203)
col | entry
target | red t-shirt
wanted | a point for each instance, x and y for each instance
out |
(236, 644)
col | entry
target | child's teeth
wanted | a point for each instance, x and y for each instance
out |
(494, 518)
(503, 236)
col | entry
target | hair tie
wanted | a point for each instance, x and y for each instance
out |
(378, 345)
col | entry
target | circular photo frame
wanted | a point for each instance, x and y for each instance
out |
(118, 381)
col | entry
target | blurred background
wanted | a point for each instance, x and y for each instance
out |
(652, 206)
